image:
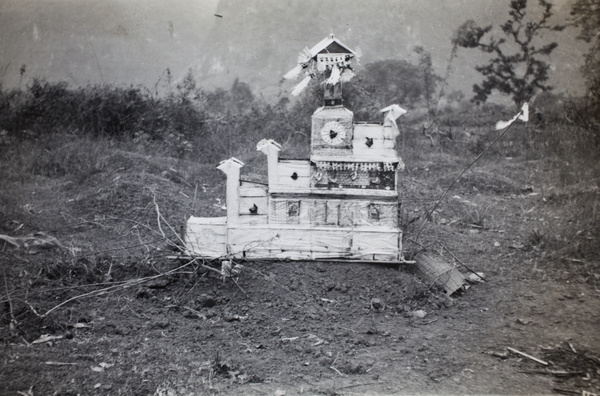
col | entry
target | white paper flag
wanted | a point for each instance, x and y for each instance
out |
(301, 86)
(294, 73)
(335, 76)
(392, 113)
(347, 75)
(523, 116)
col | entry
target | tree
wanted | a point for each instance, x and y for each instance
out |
(586, 15)
(429, 78)
(382, 83)
(516, 67)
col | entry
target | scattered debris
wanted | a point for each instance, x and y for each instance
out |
(28, 392)
(228, 317)
(33, 243)
(572, 392)
(46, 338)
(477, 277)
(101, 367)
(434, 269)
(572, 348)
(558, 373)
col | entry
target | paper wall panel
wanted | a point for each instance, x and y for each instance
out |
(206, 237)
(253, 191)
(248, 202)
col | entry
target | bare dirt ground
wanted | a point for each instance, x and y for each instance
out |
(288, 328)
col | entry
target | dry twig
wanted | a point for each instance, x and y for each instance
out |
(105, 290)
(542, 362)
(13, 321)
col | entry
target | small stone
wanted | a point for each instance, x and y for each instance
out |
(205, 301)
(162, 324)
(419, 314)
(143, 292)
(122, 330)
(377, 304)
(158, 283)
(447, 301)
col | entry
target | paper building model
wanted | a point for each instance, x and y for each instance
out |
(339, 204)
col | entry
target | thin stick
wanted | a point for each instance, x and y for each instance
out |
(158, 216)
(60, 364)
(460, 262)
(437, 203)
(166, 222)
(337, 371)
(365, 384)
(237, 284)
(13, 321)
(542, 362)
(194, 201)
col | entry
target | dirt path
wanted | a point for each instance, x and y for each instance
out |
(310, 329)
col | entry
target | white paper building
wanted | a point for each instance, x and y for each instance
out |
(339, 204)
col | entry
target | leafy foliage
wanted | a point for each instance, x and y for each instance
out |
(586, 15)
(391, 81)
(520, 73)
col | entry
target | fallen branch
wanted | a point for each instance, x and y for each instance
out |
(105, 290)
(542, 362)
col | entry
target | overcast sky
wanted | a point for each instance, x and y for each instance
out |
(134, 41)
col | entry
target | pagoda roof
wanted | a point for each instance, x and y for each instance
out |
(330, 45)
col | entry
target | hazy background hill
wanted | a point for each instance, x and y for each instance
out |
(134, 42)
(113, 41)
